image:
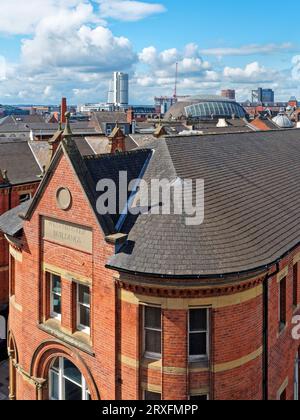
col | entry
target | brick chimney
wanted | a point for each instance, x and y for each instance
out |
(117, 140)
(130, 115)
(63, 110)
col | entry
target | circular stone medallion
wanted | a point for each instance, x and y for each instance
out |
(63, 198)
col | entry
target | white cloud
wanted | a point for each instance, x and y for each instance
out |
(65, 41)
(189, 61)
(128, 10)
(296, 67)
(248, 50)
(22, 17)
(252, 73)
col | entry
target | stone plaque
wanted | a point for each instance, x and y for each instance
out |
(68, 234)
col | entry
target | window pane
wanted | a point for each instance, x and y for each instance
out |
(153, 342)
(56, 284)
(198, 398)
(153, 318)
(55, 365)
(198, 344)
(73, 392)
(84, 315)
(56, 304)
(84, 295)
(71, 372)
(152, 396)
(198, 319)
(54, 386)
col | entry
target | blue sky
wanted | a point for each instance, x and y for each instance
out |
(50, 48)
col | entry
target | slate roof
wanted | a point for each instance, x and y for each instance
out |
(110, 116)
(109, 167)
(17, 158)
(44, 128)
(252, 203)
(11, 222)
(252, 207)
(140, 140)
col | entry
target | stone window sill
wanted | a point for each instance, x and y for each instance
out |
(79, 340)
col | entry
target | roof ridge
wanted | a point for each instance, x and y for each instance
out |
(111, 156)
(172, 136)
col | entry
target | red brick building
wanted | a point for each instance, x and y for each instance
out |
(19, 179)
(148, 307)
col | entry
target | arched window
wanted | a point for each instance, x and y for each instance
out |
(66, 383)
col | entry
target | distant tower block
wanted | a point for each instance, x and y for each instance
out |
(118, 92)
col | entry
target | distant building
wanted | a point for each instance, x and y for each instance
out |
(105, 122)
(293, 102)
(118, 94)
(164, 103)
(203, 108)
(229, 94)
(88, 108)
(263, 96)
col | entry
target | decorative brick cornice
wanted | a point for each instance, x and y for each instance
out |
(186, 291)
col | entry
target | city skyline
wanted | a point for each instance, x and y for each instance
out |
(96, 38)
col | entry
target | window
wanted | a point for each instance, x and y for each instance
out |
(199, 397)
(152, 332)
(24, 197)
(152, 396)
(83, 308)
(198, 334)
(282, 304)
(55, 296)
(295, 285)
(66, 383)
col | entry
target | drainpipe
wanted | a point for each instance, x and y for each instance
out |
(266, 333)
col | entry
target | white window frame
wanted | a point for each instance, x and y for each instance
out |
(199, 358)
(53, 314)
(61, 382)
(80, 327)
(147, 354)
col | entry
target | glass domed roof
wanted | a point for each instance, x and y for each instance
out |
(217, 108)
(205, 107)
(283, 121)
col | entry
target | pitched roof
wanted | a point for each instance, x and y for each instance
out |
(110, 166)
(11, 222)
(252, 206)
(17, 158)
(89, 171)
(110, 116)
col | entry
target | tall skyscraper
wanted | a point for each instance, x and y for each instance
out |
(263, 95)
(118, 92)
